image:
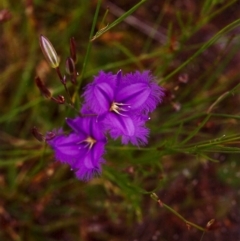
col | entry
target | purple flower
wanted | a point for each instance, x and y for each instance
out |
(123, 103)
(83, 148)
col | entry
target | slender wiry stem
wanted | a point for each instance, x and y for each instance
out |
(63, 81)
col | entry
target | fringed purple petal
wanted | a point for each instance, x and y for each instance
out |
(100, 94)
(123, 124)
(139, 139)
(87, 126)
(85, 174)
(77, 150)
(130, 129)
(135, 95)
(91, 164)
(66, 148)
(76, 126)
(97, 153)
(156, 92)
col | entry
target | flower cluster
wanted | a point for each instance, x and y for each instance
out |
(115, 104)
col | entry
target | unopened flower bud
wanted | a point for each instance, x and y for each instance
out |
(212, 224)
(73, 51)
(61, 99)
(37, 134)
(49, 52)
(43, 89)
(5, 15)
(70, 66)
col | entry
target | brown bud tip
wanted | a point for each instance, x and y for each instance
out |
(37, 134)
(50, 135)
(49, 52)
(5, 15)
(60, 99)
(212, 225)
(183, 78)
(43, 89)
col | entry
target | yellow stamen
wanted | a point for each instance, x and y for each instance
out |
(90, 141)
(116, 107)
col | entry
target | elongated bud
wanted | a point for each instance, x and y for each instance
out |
(39, 136)
(43, 89)
(73, 52)
(49, 52)
(71, 70)
(70, 66)
(154, 196)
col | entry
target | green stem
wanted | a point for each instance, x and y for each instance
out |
(210, 42)
(155, 197)
(88, 48)
(117, 21)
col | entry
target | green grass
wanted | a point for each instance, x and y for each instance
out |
(187, 175)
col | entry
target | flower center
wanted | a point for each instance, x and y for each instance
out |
(119, 107)
(89, 142)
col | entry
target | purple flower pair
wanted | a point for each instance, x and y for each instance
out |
(113, 103)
